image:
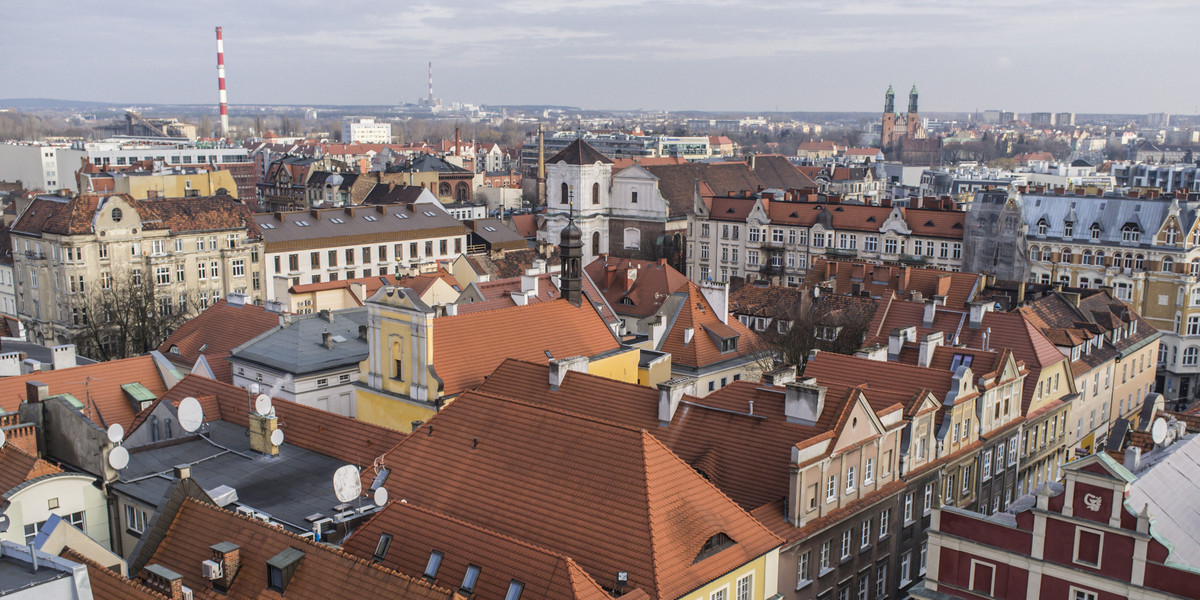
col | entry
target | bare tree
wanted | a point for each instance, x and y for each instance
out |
(827, 323)
(127, 314)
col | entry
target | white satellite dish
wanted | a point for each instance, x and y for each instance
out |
(1158, 431)
(277, 437)
(118, 458)
(116, 433)
(191, 414)
(2, 438)
(262, 404)
(381, 496)
(346, 484)
(253, 388)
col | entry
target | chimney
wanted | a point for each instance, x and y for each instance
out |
(182, 472)
(630, 277)
(261, 428)
(929, 343)
(897, 338)
(717, 294)
(930, 313)
(325, 314)
(529, 281)
(779, 376)
(10, 364)
(229, 556)
(560, 366)
(1133, 459)
(327, 340)
(164, 581)
(978, 309)
(874, 352)
(62, 357)
(670, 393)
(451, 309)
(235, 299)
(36, 391)
(804, 401)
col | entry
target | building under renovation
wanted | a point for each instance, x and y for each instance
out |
(994, 239)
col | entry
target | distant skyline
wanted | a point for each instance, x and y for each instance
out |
(1027, 56)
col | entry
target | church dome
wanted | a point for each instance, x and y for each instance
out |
(571, 237)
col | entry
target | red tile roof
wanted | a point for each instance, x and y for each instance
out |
(101, 382)
(697, 314)
(324, 572)
(641, 296)
(76, 216)
(419, 531)
(110, 585)
(218, 329)
(618, 499)
(845, 275)
(466, 348)
(17, 467)
(525, 225)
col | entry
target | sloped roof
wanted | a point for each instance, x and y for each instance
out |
(218, 329)
(525, 225)
(324, 572)
(653, 282)
(298, 347)
(75, 216)
(1068, 322)
(99, 381)
(498, 293)
(579, 152)
(696, 313)
(762, 300)
(512, 263)
(419, 531)
(775, 171)
(467, 347)
(959, 288)
(110, 585)
(583, 475)
(17, 467)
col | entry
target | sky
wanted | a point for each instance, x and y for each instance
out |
(731, 55)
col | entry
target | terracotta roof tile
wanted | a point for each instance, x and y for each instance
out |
(546, 466)
(466, 348)
(641, 296)
(696, 314)
(110, 585)
(17, 467)
(419, 531)
(846, 275)
(75, 216)
(218, 329)
(103, 387)
(324, 571)
(526, 225)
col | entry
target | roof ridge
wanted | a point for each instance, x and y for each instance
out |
(88, 562)
(551, 409)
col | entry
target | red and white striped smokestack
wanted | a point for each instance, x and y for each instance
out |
(221, 84)
(431, 83)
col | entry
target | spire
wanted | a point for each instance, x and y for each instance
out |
(571, 250)
(541, 167)
(889, 101)
(912, 100)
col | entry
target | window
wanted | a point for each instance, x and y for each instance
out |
(470, 578)
(905, 568)
(1089, 546)
(928, 497)
(826, 547)
(432, 566)
(866, 534)
(985, 472)
(135, 518)
(162, 276)
(884, 516)
(1190, 356)
(908, 508)
(744, 588)
(214, 270)
(1068, 229)
(889, 245)
(1131, 233)
(881, 580)
(1078, 594)
(846, 544)
(850, 479)
(1094, 234)
(803, 573)
(1042, 227)
(924, 552)
(871, 244)
(381, 547)
(869, 471)
(137, 277)
(239, 267)
(514, 590)
(831, 489)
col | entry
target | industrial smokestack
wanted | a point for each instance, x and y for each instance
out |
(221, 84)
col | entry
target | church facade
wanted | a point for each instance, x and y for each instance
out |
(901, 136)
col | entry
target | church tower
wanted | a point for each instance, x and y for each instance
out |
(578, 188)
(888, 129)
(913, 120)
(571, 250)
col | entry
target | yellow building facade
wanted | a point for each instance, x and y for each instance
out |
(143, 186)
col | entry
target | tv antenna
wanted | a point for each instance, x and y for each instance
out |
(88, 403)
(190, 415)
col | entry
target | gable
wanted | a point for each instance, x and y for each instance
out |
(860, 424)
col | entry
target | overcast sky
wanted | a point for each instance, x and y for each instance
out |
(734, 55)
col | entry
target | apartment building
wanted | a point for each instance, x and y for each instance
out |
(312, 246)
(40, 167)
(764, 237)
(1145, 247)
(193, 251)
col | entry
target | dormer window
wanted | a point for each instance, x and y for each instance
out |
(1042, 227)
(1094, 232)
(116, 215)
(381, 547)
(712, 546)
(1172, 236)
(282, 567)
(729, 344)
(1131, 233)
(1068, 229)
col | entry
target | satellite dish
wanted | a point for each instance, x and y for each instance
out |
(253, 388)
(116, 433)
(346, 484)
(191, 415)
(118, 458)
(262, 404)
(1158, 431)
(2, 438)
(277, 437)
(381, 496)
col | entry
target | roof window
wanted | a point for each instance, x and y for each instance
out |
(470, 578)
(514, 590)
(381, 547)
(712, 546)
(431, 567)
(371, 218)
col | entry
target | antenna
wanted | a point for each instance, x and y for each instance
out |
(346, 484)
(190, 414)
(262, 405)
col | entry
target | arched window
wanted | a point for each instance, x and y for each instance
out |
(565, 195)
(1139, 262)
(1065, 256)
(444, 188)
(462, 192)
(1035, 254)
(1195, 267)
(1190, 355)
(1128, 260)
(633, 238)
(1100, 258)
(1094, 231)
(1168, 264)
(1131, 233)
(1087, 257)
(595, 193)
(1068, 229)
(1042, 227)
(595, 244)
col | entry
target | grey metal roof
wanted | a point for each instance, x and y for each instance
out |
(288, 487)
(1169, 485)
(1110, 212)
(298, 347)
(494, 231)
(354, 221)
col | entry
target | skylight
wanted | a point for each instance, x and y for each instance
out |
(401, 216)
(489, 228)
(336, 220)
(428, 214)
(961, 360)
(371, 218)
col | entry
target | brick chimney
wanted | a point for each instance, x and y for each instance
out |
(229, 556)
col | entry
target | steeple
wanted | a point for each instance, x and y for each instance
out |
(889, 100)
(541, 168)
(912, 100)
(571, 250)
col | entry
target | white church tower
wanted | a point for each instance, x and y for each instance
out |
(579, 181)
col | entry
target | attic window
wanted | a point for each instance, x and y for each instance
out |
(267, 226)
(371, 218)
(381, 547)
(794, 215)
(839, 209)
(729, 210)
(961, 360)
(627, 301)
(401, 216)
(431, 567)
(302, 223)
(489, 228)
(929, 223)
(956, 226)
(514, 590)
(428, 214)
(729, 344)
(470, 578)
(871, 219)
(712, 546)
(116, 215)
(336, 220)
